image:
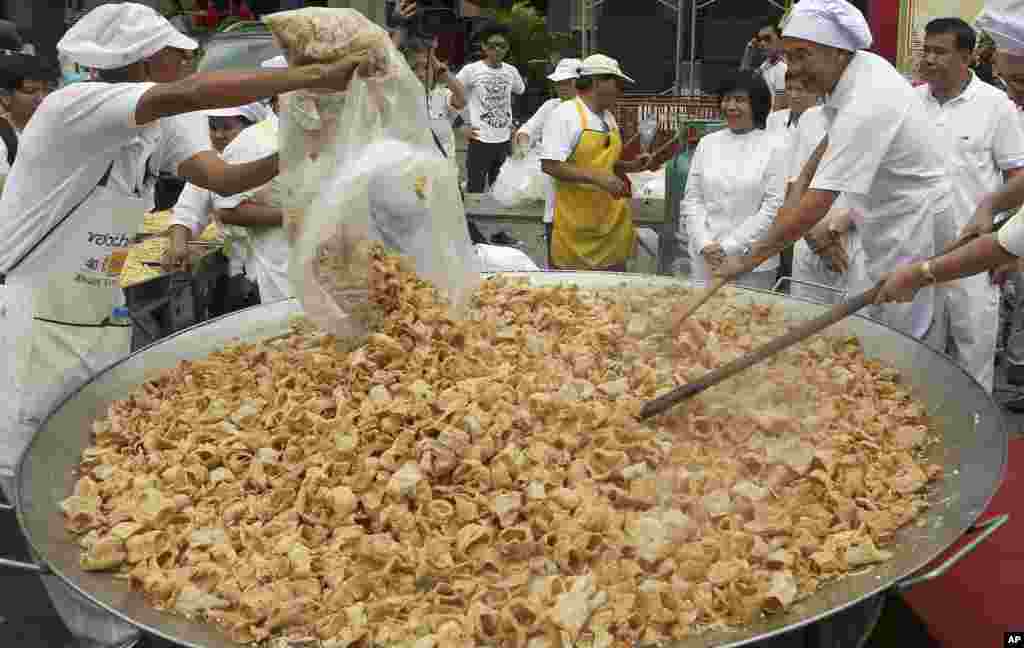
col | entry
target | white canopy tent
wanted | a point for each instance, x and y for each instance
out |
(587, 26)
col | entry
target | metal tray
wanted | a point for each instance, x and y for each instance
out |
(973, 453)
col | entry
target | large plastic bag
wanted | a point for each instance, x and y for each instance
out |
(520, 181)
(498, 258)
(648, 184)
(359, 169)
(648, 130)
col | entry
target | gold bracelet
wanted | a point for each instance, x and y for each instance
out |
(926, 270)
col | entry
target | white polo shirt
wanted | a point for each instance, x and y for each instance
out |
(983, 136)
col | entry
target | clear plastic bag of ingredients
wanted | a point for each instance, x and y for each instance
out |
(362, 167)
(521, 181)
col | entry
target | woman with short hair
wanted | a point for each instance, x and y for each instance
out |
(736, 182)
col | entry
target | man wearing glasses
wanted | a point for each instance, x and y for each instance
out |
(490, 84)
(24, 83)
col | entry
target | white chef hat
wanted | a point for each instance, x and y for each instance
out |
(1003, 20)
(567, 68)
(277, 63)
(255, 112)
(835, 23)
(118, 34)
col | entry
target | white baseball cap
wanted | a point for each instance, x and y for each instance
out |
(600, 65)
(279, 62)
(567, 68)
(118, 34)
(254, 112)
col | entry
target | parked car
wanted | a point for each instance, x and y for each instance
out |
(244, 45)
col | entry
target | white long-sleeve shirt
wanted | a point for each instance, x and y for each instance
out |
(735, 188)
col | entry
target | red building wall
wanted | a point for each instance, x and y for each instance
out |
(884, 17)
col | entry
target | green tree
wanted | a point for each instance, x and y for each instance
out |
(531, 43)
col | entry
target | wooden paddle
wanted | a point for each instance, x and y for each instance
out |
(795, 335)
(710, 291)
(705, 295)
(664, 147)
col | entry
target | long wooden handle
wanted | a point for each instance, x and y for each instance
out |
(797, 334)
(663, 147)
(709, 292)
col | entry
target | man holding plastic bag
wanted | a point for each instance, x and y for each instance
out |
(593, 223)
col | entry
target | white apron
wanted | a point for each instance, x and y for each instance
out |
(69, 282)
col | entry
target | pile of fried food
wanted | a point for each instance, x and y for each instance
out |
(461, 483)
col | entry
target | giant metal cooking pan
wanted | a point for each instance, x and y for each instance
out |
(973, 453)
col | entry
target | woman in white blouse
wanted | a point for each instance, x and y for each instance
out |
(736, 183)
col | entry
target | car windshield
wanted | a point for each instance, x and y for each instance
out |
(238, 51)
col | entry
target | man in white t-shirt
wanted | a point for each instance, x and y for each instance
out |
(490, 84)
(773, 70)
(77, 192)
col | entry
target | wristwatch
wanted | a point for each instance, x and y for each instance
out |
(926, 271)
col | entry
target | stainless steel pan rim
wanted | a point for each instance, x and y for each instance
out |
(974, 453)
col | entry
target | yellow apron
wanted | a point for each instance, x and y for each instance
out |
(592, 230)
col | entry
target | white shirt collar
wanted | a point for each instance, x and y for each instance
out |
(968, 93)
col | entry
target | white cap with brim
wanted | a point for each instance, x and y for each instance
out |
(835, 23)
(1004, 22)
(254, 112)
(279, 62)
(567, 68)
(116, 35)
(601, 65)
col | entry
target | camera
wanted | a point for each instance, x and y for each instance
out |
(432, 17)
